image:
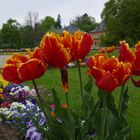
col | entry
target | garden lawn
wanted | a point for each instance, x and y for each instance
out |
(51, 79)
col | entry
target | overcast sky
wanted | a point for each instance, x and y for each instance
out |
(68, 9)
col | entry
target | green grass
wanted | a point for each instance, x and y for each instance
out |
(92, 52)
(51, 79)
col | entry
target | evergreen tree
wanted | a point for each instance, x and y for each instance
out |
(58, 22)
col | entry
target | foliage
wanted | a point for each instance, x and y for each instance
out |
(48, 23)
(16, 36)
(85, 22)
(58, 22)
(121, 19)
(19, 108)
(10, 34)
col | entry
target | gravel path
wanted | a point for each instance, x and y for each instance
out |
(3, 59)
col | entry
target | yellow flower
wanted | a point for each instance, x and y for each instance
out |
(3, 83)
(1, 90)
(1, 96)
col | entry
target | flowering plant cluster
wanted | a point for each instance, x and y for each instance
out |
(19, 108)
(101, 119)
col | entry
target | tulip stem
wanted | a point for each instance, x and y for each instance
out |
(103, 116)
(67, 99)
(81, 86)
(71, 130)
(121, 100)
(39, 99)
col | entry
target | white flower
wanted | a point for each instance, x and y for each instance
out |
(16, 105)
(5, 112)
(12, 93)
(33, 92)
(26, 88)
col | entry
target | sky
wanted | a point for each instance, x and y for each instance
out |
(68, 9)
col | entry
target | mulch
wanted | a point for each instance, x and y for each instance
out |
(8, 133)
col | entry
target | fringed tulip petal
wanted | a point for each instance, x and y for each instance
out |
(10, 73)
(20, 68)
(67, 40)
(96, 73)
(31, 70)
(54, 51)
(16, 59)
(82, 43)
(136, 64)
(126, 54)
(137, 46)
(85, 45)
(110, 65)
(108, 72)
(107, 82)
(122, 72)
(91, 62)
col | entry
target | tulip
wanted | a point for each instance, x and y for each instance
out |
(110, 49)
(126, 54)
(109, 73)
(81, 45)
(133, 57)
(136, 65)
(20, 68)
(55, 49)
(102, 50)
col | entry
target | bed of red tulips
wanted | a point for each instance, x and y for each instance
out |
(101, 119)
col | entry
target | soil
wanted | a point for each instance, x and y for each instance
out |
(8, 133)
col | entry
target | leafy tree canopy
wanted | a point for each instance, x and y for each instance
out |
(122, 18)
(10, 34)
(85, 22)
(48, 22)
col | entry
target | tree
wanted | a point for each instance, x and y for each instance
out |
(31, 19)
(10, 34)
(122, 19)
(58, 22)
(27, 36)
(85, 22)
(48, 23)
(32, 31)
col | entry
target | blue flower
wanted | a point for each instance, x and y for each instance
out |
(36, 136)
(33, 134)
(30, 131)
(42, 121)
(29, 124)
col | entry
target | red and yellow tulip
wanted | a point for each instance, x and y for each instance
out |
(126, 54)
(133, 57)
(108, 72)
(102, 50)
(20, 68)
(136, 65)
(56, 50)
(110, 49)
(81, 45)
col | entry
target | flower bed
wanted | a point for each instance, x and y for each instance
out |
(101, 119)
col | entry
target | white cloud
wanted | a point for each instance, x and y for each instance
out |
(68, 9)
